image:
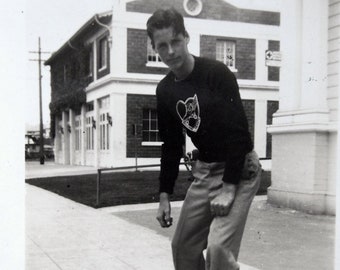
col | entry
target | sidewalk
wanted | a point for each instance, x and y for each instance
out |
(62, 234)
(35, 170)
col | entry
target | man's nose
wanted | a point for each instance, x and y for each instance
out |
(170, 49)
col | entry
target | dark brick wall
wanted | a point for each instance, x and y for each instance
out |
(249, 108)
(273, 72)
(137, 52)
(272, 107)
(215, 10)
(135, 106)
(245, 54)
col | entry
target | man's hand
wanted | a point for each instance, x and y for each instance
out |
(164, 210)
(221, 204)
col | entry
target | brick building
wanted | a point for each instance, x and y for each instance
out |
(103, 79)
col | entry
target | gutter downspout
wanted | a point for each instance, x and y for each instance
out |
(105, 26)
(71, 46)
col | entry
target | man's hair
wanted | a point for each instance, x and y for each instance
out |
(165, 18)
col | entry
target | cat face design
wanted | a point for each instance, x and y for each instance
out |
(189, 112)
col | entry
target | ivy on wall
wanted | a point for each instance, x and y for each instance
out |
(71, 100)
(69, 79)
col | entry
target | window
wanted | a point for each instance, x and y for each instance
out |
(77, 124)
(225, 52)
(59, 146)
(102, 53)
(150, 131)
(104, 123)
(89, 107)
(104, 131)
(89, 126)
(153, 58)
(89, 131)
(89, 62)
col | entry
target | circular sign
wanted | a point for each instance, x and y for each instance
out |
(193, 7)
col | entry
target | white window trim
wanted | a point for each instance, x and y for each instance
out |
(151, 143)
(78, 140)
(156, 64)
(232, 69)
(148, 143)
(91, 62)
(106, 52)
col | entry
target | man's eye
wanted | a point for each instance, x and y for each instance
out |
(161, 47)
(175, 42)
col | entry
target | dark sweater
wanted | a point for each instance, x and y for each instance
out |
(208, 105)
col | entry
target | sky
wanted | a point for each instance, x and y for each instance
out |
(54, 22)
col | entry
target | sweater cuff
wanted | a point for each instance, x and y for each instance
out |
(167, 189)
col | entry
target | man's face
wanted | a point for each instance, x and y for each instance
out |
(171, 48)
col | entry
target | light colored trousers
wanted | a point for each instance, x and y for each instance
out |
(198, 229)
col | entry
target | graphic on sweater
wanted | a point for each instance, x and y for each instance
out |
(189, 112)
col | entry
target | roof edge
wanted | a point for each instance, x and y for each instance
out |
(76, 34)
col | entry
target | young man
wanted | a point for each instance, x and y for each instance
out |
(202, 96)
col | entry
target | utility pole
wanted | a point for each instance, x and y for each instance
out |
(41, 129)
(42, 158)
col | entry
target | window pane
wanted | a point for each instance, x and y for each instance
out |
(108, 136)
(153, 114)
(145, 125)
(153, 124)
(152, 56)
(104, 137)
(145, 114)
(153, 136)
(145, 136)
(103, 53)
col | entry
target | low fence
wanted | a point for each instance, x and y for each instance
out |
(101, 170)
(266, 182)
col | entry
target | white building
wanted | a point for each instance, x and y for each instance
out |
(104, 77)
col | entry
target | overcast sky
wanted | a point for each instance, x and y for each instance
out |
(54, 22)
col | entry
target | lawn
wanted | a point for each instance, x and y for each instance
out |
(118, 188)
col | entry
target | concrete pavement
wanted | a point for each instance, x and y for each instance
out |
(62, 234)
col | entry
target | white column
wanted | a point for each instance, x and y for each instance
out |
(118, 55)
(290, 73)
(118, 112)
(194, 43)
(261, 71)
(83, 135)
(65, 141)
(57, 140)
(94, 48)
(260, 129)
(96, 133)
(314, 54)
(300, 130)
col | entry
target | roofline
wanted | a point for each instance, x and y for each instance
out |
(93, 19)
